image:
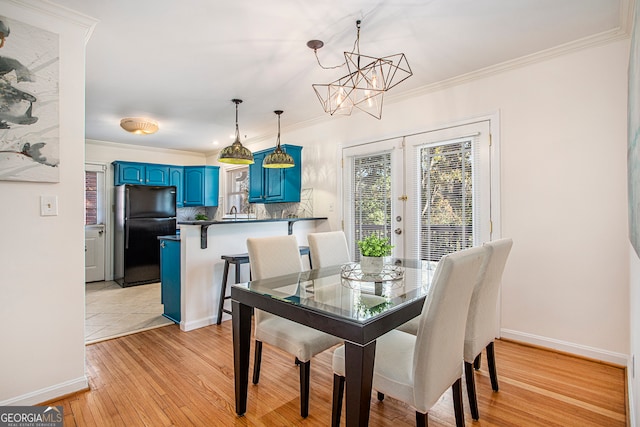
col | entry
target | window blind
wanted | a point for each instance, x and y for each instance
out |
(444, 197)
(370, 197)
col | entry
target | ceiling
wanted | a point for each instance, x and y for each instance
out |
(181, 62)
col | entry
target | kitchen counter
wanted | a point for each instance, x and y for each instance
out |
(175, 237)
(202, 245)
(204, 225)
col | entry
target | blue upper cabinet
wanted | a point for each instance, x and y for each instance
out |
(275, 185)
(176, 178)
(201, 185)
(140, 173)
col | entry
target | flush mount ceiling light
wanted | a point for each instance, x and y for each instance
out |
(236, 153)
(279, 158)
(365, 84)
(139, 125)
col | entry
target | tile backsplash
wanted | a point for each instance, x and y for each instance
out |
(303, 209)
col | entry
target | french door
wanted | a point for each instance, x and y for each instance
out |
(430, 193)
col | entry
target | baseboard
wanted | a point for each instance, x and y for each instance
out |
(48, 394)
(631, 408)
(195, 324)
(567, 347)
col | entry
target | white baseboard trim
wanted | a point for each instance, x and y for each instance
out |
(49, 393)
(568, 347)
(195, 324)
(631, 398)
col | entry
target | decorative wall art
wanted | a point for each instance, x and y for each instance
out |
(633, 148)
(29, 121)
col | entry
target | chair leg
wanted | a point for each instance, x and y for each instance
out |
(305, 370)
(336, 406)
(422, 420)
(256, 362)
(223, 291)
(491, 361)
(471, 390)
(380, 396)
(457, 402)
(476, 362)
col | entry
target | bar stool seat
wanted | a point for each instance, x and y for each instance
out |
(238, 260)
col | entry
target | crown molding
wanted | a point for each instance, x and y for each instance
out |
(606, 37)
(47, 7)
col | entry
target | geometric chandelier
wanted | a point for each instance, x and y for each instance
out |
(365, 84)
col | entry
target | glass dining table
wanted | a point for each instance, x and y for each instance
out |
(341, 301)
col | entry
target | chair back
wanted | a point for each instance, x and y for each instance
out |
(437, 358)
(482, 318)
(271, 257)
(327, 249)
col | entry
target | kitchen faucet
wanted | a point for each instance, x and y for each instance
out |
(234, 211)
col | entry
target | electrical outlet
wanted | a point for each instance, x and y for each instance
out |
(48, 205)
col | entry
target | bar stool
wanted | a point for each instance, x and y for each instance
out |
(238, 260)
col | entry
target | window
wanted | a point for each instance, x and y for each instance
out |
(237, 186)
(371, 203)
(446, 199)
(91, 198)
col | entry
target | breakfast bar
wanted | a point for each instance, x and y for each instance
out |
(203, 243)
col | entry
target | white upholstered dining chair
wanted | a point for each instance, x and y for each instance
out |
(481, 325)
(277, 256)
(418, 369)
(328, 248)
(482, 320)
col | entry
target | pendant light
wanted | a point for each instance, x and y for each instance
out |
(236, 153)
(279, 158)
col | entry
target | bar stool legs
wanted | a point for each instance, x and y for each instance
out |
(238, 260)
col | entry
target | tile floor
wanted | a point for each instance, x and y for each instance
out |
(112, 311)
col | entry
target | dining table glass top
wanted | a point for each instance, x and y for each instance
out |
(346, 293)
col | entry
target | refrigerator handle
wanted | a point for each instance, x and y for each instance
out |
(126, 223)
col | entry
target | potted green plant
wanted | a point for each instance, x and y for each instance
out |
(373, 249)
(201, 217)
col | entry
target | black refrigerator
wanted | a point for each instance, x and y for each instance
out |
(142, 213)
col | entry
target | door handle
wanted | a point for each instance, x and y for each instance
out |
(398, 231)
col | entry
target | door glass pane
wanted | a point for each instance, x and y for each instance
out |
(91, 198)
(371, 192)
(446, 205)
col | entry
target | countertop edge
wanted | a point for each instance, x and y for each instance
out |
(248, 221)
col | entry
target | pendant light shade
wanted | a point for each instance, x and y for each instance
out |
(279, 158)
(236, 153)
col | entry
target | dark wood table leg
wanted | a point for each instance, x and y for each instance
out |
(359, 379)
(241, 347)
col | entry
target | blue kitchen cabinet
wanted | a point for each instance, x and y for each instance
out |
(176, 177)
(275, 185)
(140, 173)
(201, 185)
(170, 278)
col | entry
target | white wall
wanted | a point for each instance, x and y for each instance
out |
(563, 188)
(632, 377)
(107, 152)
(42, 258)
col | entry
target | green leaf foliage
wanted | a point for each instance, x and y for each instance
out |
(375, 246)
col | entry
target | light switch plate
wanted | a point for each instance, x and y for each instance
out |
(48, 205)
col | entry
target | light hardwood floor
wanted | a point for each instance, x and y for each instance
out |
(165, 377)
